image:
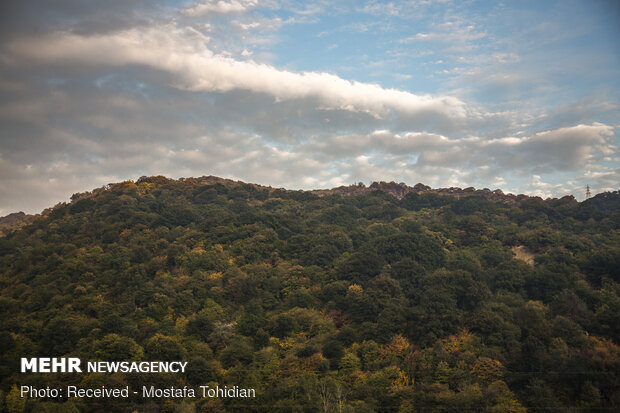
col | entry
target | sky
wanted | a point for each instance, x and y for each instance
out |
(523, 95)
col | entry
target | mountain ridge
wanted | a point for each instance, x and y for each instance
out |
(16, 220)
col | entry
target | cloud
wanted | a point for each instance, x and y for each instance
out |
(147, 93)
(564, 149)
(453, 32)
(184, 54)
(507, 57)
(218, 7)
(95, 138)
(601, 181)
(380, 8)
(81, 16)
(570, 148)
(263, 24)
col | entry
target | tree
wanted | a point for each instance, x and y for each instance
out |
(14, 402)
(113, 347)
(161, 347)
(349, 363)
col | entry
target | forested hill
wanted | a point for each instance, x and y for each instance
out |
(354, 299)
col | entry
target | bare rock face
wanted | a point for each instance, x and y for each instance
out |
(522, 253)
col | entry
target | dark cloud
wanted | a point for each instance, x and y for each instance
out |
(37, 17)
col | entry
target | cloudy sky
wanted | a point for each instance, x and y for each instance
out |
(518, 95)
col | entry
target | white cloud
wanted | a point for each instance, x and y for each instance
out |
(184, 54)
(449, 32)
(570, 147)
(218, 6)
(263, 24)
(507, 57)
(381, 8)
(562, 149)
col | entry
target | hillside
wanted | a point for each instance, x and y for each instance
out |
(14, 221)
(380, 298)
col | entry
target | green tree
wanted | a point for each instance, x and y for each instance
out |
(160, 347)
(14, 402)
(113, 347)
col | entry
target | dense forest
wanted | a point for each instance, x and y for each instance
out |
(322, 302)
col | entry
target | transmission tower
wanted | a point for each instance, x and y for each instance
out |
(588, 193)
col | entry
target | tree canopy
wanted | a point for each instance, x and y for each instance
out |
(364, 302)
